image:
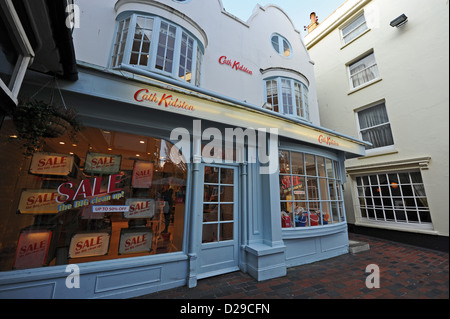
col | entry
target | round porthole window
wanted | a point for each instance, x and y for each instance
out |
(281, 45)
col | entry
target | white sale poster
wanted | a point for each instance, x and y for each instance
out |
(51, 164)
(140, 208)
(135, 241)
(142, 174)
(89, 245)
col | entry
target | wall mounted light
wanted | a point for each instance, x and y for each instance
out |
(399, 21)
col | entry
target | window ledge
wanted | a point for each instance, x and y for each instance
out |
(313, 231)
(413, 228)
(364, 86)
(353, 40)
(382, 151)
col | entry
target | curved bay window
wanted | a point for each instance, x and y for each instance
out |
(287, 96)
(310, 190)
(158, 45)
(107, 195)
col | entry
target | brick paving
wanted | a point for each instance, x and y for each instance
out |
(406, 272)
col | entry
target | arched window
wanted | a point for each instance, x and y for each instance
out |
(158, 45)
(281, 45)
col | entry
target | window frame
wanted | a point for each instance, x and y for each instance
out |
(381, 211)
(359, 59)
(379, 148)
(303, 98)
(337, 182)
(281, 41)
(353, 20)
(197, 49)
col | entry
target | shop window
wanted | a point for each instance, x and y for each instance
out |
(107, 195)
(281, 45)
(354, 29)
(310, 190)
(396, 197)
(363, 71)
(374, 126)
(287, 96)
(157, 45)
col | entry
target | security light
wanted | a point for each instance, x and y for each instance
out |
(399, 21)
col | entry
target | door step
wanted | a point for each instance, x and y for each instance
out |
(355, 247)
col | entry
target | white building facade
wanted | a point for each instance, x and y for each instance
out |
(202, 153)
(382, 74)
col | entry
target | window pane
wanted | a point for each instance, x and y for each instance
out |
(210, 212)
(226, 212)
(209, 233)
(226, 231)
(284, 162)
(310, 161)
(299, 188)
(275, 43)
(297, 163)
(285, 188)
(287, 96)
(363, 70)
(354, 29)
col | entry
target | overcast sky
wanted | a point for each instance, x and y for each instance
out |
(297, 10)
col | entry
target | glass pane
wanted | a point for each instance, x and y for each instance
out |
(226, 176)
(226, 212)
(226, 231)
(330, 170)
(324, 194)
(425, 216)
(310, 161)
(299, 188)
(275, 43)
(287, 219)
(321, 166)
(301, 215)
(285, 187)
(209, 233)
(210, 193)
(334, 212)
(313, 191)
(284, 162)
(287, 49)
(404, 178)
(326, 213)
(211, 174)
(416, 177)
(226, 193)
(210, 212)
(297, 163)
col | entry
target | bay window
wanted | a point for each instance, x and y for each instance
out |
(287, 96)
(157, 45)
(310, 190)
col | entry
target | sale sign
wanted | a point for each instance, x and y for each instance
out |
(102, 163)
(140, 208)
(142, 174)
(89, 245)
(51, 164)
(135, 241)
(39, 201)
(32, 249)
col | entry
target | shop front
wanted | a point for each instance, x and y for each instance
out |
(162, 187)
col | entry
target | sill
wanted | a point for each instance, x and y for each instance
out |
(353, 40)
(381, 151)
(364, 86)
(398, 226)
(313, 231)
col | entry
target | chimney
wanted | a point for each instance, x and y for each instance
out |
(314, 22)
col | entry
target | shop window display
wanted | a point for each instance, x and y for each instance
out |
(310, 190)
(107, 195)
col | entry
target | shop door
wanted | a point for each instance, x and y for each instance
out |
(219, 226)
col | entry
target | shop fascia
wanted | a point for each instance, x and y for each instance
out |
(257, 139)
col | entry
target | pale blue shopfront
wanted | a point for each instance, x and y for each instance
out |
(232, 214)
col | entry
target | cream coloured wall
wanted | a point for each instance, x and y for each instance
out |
(414, 79)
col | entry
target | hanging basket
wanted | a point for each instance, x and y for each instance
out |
(56, 127)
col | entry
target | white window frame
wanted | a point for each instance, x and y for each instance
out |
(24, 50)
(304, 97)
(197, 48)
(394, 208)
(374, 150)
(373, 65)
(281, 41)
(354, 28)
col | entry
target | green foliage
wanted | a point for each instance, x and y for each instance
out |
(36, 120)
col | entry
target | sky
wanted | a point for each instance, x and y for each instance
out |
(297, 10)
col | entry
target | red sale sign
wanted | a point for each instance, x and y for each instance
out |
(32, 249)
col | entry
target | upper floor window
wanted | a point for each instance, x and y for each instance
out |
(288, 96)
(281, 45)
(363, 71)
(158, 45)
(354, 29)
(374, 126)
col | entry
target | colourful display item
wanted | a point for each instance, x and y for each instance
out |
(32, 249)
